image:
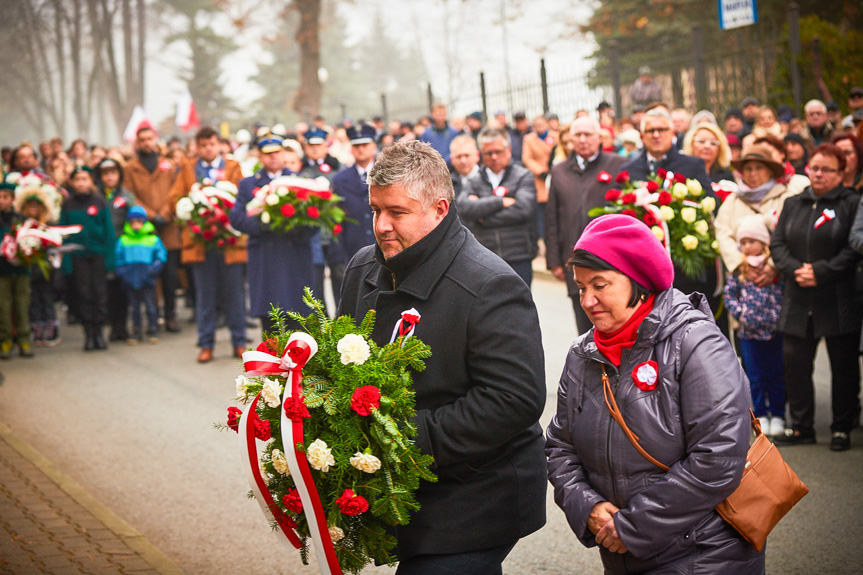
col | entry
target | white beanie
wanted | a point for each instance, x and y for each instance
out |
(754, 228)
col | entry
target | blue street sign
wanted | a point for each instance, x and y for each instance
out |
(737, 13)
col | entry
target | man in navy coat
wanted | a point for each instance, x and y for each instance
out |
(280, 264)
(350, 184)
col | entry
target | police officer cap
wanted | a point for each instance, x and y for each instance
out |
(270, 144)
(316, 136)
(364, 134)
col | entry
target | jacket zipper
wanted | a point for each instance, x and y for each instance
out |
(808, 252)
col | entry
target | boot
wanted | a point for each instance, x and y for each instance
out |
(99, 338)
(38, 329)
(89, 337)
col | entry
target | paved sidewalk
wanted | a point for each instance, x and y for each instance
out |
(49, 524)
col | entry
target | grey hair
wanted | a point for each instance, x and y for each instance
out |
(490, 135)
(415, 166)
(465, 139)
(812, 104)
(656, 113)
(594, 123)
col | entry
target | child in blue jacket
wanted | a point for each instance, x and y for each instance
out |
(140, 256)
(757, 309)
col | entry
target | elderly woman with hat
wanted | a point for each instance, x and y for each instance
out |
(656, 357)
(811, 247)
(758, 192)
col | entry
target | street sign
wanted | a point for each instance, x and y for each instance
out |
(737, 13)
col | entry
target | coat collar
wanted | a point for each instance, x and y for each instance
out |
(417, 270)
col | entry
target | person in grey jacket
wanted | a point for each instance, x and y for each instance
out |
(498, 204)
(681, 391)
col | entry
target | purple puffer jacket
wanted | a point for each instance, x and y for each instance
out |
(696, 421)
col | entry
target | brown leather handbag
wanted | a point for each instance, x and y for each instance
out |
(767, 491)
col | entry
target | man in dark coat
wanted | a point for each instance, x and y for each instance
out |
(657, 133)
(575, 189)
(499, 204)
(350, 184)
(280, 264)
(482, 392)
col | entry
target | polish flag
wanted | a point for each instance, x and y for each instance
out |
(187, 115)
(138, 120)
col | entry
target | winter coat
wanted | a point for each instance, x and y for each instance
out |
(119, 201)
(359, 232)
(153, 192)
(696, 421)
(536, 155)
(573, 193)
(733, 209)
(481, 395)
(756, 308)
(440, 139)
(831, 304)
(140, 256)
(193, 250)
(508, 232)
(280, 264)
(97, 236)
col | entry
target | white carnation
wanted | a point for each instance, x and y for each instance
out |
(265, 217)
(272, 199)
(708, 204)
(320, 456)
(667, 213)
(241, 383)
(688, 215)
(185, 207)
(336, 534)
(365, 462)
(689, 242)
(271, 392)
(679, 191)
(280, 463)
(354, 349)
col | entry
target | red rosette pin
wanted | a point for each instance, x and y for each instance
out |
(92, 210)
(603, 177)
(325, 168)
(646, 375)
(500, 191)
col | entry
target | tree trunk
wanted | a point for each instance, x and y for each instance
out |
(142, 21)
(308, 99)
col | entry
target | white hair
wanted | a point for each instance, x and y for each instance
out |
(594, 123)
(656, 113)
(812, 104)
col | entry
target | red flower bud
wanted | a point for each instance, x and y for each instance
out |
(628, 198)
(664, 198)
(234, 414)
(337, 229)
(313, 212)
(612, 195)
(622, 177)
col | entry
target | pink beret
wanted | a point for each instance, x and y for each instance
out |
(628, 244)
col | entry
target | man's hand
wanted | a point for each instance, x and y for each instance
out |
(558, 273)
(473, 197)
(507, 202)
(601, 523)
(805, 276)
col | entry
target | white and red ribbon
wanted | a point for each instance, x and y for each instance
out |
(406, 324)
(825, 217)
(299, 350)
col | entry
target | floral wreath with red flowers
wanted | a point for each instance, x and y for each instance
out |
(356, 406)
(204, 212)
(291, 201)
(675, 209)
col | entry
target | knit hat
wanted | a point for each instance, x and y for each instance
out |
(628, 244)
(136, 213)
(753, 227)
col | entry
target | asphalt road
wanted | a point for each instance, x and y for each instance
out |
(134, 427)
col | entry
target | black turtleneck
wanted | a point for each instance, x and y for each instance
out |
(150, 161)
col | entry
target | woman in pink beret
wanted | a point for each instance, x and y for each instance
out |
(658, 356)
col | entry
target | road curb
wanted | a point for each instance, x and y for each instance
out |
(128, 534)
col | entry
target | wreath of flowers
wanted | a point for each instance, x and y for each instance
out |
(673, 208)
(205, 213)
(30, 243)
(356, 407)
(290, 201)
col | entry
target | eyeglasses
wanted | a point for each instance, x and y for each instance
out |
(490, 153)
(823, 170)
(656, 130)
(703, 142)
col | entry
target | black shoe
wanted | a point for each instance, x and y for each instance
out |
(795, 437)
(840, 441)
(99, 340)
(172, 326)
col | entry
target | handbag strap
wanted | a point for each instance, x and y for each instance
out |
(614, 410)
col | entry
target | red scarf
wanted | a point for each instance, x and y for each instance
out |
(611, 345)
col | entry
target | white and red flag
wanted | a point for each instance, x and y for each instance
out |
(187, 115)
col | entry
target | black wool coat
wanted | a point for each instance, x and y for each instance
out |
(832, 304)
(482, 392)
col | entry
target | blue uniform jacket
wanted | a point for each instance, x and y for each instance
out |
(359, 232)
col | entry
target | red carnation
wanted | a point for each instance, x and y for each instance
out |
(209, 234)
(234, 414)
(652, 186)
(269, 346)
(679, 179)
(664, 198)
(661, 172)
(220, 243)
(325, 195)
(223, 219)
(295, 408)
(292, 501)
(649, 219)
(313, 212)
(365, 399)
(628, 198)
(603, 177)
(262, 428)
(232, 240)
(196, 229)
(612, 195)
(622, 177)
(302, 194)
(288, 210)
(352, 504)
(337, 229)
(630, 213)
